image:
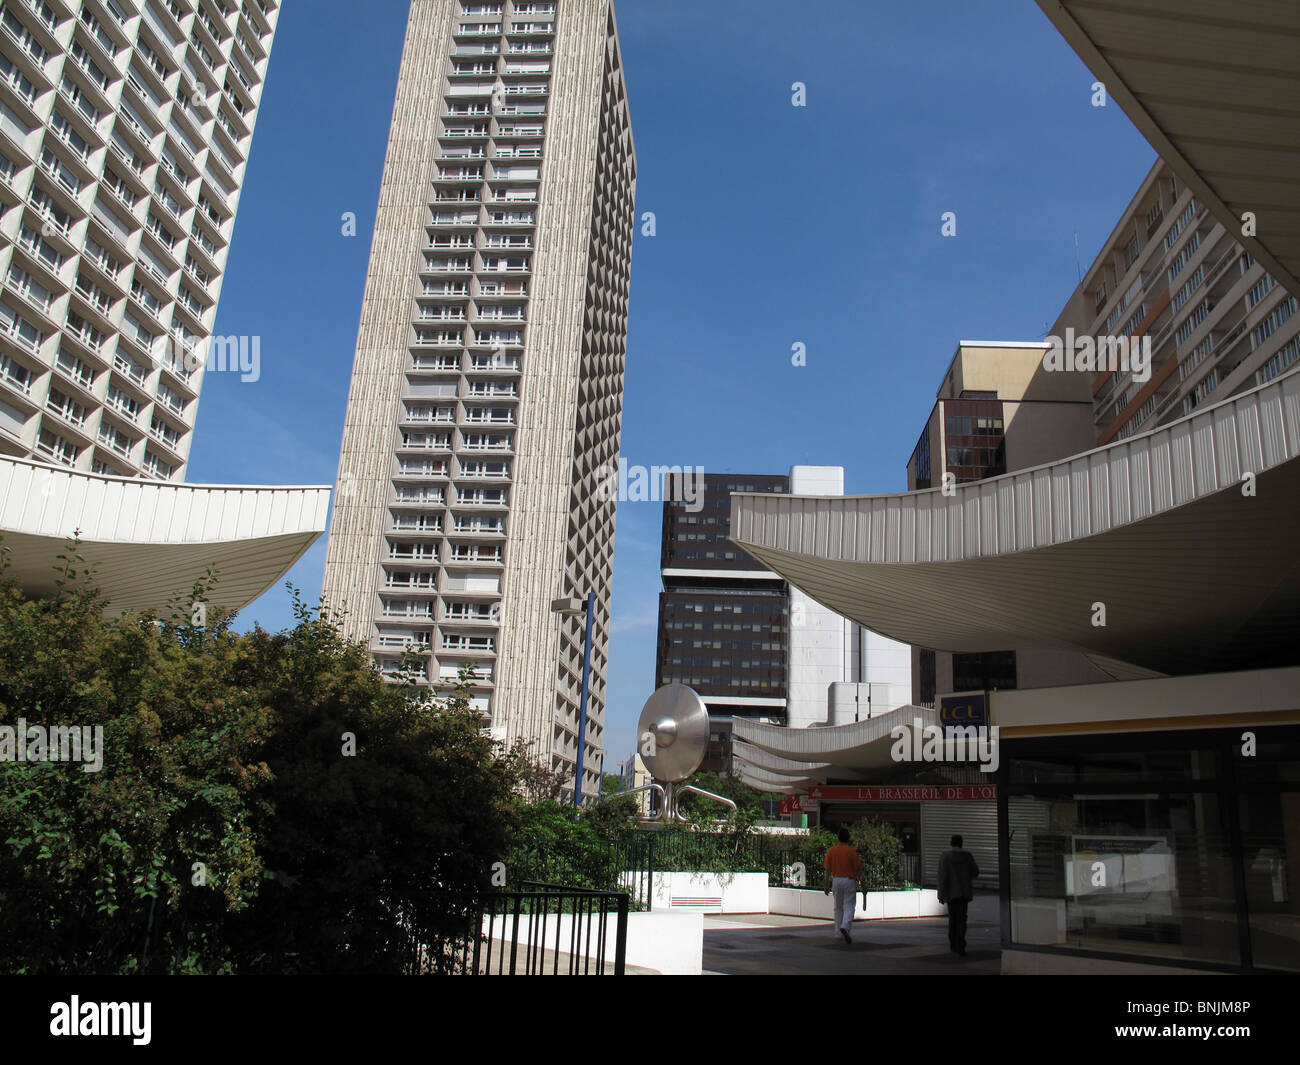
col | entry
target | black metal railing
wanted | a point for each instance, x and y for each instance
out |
(539, 930)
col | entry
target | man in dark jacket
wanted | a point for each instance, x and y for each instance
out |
(957, 869)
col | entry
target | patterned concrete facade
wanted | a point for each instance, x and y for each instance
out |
(125, 128)
(486, 397)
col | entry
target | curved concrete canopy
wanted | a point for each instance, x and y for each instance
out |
(756, 778)
(863, 746)
(772, 764)
(151, 540)
(1215, 88)
(1196, 575)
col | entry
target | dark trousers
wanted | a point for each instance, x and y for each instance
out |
(957, 924)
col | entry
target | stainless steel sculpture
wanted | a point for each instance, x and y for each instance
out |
(673, 733)
(672, 738)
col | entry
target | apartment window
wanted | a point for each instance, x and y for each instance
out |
(122, 403)
(156, 467)
(65, 131)
(1180, 223)
(83, 60)
(1185, 293)
(80, 100)
(1202, 390)
(1260, 289)
(119, 188)
(1283, 360)
(57, 448)
(163, 432)
(165, 235)
(93, 294)
(1131, 250)
(1187, 251)
(26, 41)
(115, 440)
(66, 407)
(74, 368)
(56, 168)
(15, 374)
(17, 328)
(1099, 300)
(171, 400)
(1144, 412)
(1272, 322)
(29, 288)
(407, 608)
(1193, 321)
(1195, 358)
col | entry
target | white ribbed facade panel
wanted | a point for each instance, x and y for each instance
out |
(151, 541)
(1089, 494)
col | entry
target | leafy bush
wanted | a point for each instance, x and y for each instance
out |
(230, 829)
(881, 852)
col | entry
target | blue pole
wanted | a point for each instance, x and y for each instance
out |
(582, 712)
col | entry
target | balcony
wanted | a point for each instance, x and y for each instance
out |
(489, 416)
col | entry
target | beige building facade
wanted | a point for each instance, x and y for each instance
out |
(1172, 275)
(125, 129)
(486, 396)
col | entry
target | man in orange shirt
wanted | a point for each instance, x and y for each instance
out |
(843, 871)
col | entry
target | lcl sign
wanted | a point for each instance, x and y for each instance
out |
(963, 711)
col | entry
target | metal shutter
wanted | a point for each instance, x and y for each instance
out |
(976, 822)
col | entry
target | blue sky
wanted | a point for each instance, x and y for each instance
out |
(775, 225)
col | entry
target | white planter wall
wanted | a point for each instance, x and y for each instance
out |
(877, 906)
(668, 943)
(711, 892)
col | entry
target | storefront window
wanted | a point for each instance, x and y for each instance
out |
(1138, 873)
(1149, 767)
(1171, 846)
(1270, 843)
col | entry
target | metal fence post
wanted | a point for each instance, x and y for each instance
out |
(620, 942)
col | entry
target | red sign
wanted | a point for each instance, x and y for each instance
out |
(905, 793)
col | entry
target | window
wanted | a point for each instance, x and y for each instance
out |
(1272, 322)
(57, 448)
(155, 467)
(74, 368)
(15, 374)
(1286, 357)
(1131, 251)
(986, 671)
(17, 328)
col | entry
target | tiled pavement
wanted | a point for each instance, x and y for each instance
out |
(763, 944)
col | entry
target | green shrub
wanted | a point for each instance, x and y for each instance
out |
(229, 829)
(881, 852)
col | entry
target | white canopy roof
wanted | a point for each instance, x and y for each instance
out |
(151, 540)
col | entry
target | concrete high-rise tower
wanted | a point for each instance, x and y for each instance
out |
(487, 390)
(125, 128)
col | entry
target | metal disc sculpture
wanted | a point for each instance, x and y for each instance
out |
(672, 739)
(673, 733)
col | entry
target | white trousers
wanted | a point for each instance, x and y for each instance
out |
(843, 890)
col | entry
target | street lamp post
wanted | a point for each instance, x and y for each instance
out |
(572, 608)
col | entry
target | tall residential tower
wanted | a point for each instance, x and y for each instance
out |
(125, 128)
(487, 391)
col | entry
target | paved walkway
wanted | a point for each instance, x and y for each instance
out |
(764, 944)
